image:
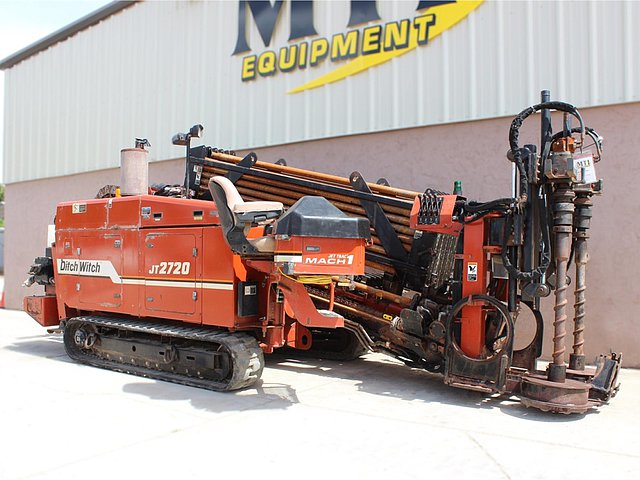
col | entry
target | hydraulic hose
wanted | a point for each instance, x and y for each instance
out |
(474, 207)
(597, 139)
(545, 261)
(514, 133)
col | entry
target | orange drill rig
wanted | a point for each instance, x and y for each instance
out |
(194, 282)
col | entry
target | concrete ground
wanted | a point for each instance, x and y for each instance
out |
(306, 419)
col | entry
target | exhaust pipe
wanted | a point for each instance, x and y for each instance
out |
(134, 169)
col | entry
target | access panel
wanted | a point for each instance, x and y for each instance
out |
(170, 272)
(96, 268)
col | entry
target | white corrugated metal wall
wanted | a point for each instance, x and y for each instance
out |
(158, 67)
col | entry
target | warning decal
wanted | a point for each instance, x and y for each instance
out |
(472, 272)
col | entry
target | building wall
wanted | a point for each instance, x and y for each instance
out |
(156, 68)
(473, 152)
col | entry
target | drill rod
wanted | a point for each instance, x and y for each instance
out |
(562, 228)
(582, 220)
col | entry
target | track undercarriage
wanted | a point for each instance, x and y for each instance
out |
(189, 355)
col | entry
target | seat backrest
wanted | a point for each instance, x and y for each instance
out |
(233, 233)
(231, 192)
(225, 214)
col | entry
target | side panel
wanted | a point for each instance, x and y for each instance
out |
(170, 271)
(84, 214)
(88, 265)
(100, 261)
(65, 284)
(218, 280)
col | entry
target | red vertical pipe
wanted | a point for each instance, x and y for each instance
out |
(474, 281)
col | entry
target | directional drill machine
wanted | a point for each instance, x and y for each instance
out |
(192, 283)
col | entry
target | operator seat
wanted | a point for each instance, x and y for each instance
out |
(237, 217)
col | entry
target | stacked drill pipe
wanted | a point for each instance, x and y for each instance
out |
(322, 177)
(253, 188)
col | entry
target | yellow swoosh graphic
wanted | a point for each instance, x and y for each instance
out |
(446, 17)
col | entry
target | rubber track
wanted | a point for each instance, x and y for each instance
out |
(246, 355)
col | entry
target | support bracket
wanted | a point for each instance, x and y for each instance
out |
(381, 224)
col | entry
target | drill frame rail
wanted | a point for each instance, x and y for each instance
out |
(396, 249)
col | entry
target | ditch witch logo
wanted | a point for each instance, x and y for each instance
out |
(356, 49)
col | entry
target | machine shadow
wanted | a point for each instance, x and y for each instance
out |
(260, 396)
(386, 378)
(46, 346)
(370, 376)
(391, 379)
